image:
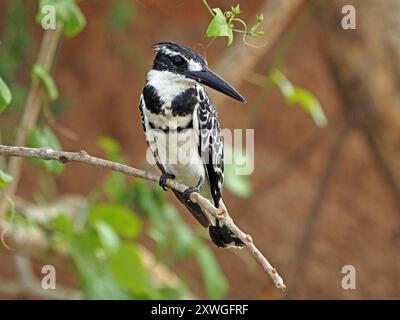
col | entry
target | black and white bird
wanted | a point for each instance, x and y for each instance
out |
(183, 132)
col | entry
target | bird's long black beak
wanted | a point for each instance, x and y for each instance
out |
(210, 79)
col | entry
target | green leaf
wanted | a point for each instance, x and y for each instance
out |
(108, 237)
(300, 96)
(4, 179)
(239, 185)
(124, 221)
(97, 280)
(68, 12)
(83, 248)
(236, 10)
(45, 138)
(63, 231)
(184, 240)
(219, 27)
(145, 197)
(128, 269)
(260, 17)
(279, 79)
(111, 147)
(162, 226)
(40, 73)
(215, 282)
(62, 224)
(5, 95)
(310, 104)
(101, 285)
(177, 292)
(115, 187)
(121, 15)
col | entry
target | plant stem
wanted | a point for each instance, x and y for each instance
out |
(209, 8)
(32, 110)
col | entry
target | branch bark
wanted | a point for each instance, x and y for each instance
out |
(84, 157)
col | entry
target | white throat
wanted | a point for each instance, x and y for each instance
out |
(168, 84)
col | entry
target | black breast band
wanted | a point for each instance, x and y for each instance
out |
(168, 129)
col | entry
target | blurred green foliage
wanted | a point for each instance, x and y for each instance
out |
(174, 239)
(105, 253)
(16, 40)
(38, 72)
(103, 241)
(121, 15)
(298, 95)
(67, 12)
(4, 179)
(5, 95)
(15, 48)
(44, 137)
(239, 185)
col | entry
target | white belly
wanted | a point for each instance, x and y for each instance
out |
(178, 153)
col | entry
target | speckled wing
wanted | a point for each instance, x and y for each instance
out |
(210, 146)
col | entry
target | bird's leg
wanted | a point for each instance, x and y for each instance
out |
(163, 180)
(186, 194)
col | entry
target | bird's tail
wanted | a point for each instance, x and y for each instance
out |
(222, 236)
(219, 232)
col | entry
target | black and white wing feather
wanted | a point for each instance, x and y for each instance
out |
(210, 144)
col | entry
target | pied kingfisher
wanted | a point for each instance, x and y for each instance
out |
(182, 130)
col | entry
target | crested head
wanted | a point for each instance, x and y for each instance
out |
(177, 68)
(177, 58)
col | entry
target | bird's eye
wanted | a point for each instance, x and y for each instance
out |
(178, 61)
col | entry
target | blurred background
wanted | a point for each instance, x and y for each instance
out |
(324, 102)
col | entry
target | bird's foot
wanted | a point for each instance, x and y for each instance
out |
(163, 180)
(186, 194)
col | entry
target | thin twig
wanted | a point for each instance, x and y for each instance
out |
(208, 8)
(84, 157)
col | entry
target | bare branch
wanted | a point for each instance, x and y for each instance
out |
(84, 157)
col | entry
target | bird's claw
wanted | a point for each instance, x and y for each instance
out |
(163, 180)
(186, 194)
